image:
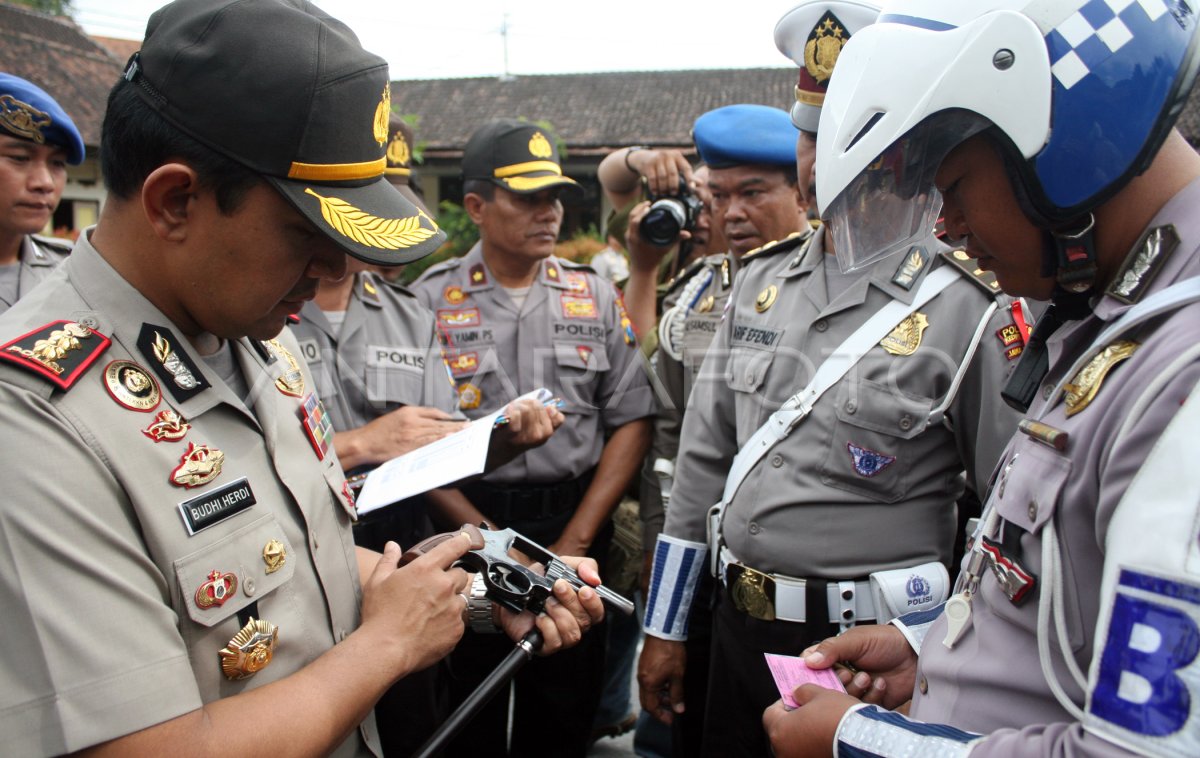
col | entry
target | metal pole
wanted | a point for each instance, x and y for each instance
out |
(486, 690)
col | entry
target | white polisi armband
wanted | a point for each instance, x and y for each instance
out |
(872, 731)
(677, 566)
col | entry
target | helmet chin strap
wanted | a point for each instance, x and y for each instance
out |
(1074, 267)
(1071, 259)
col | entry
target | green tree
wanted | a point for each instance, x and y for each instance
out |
(53, 7)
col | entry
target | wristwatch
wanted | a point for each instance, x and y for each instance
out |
(480, 611)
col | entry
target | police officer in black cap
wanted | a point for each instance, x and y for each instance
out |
(37, 141)
(179, 570)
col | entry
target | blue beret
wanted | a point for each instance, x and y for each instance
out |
(26, 111)
(738, 135)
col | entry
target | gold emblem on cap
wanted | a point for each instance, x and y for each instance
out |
(539, 146)
(22, 119)
(1081, 390)
(398, 151)
(766, 298)
(383, 113)
(372, 231)
(198, 465)
(825, 43)
(469, 396)
(906, 337)
(291, 382)
(131, 385)
(274, 555)
(54, 348)
(250, 650)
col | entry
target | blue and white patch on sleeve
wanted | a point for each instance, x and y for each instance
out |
(872, 732)
(914, 626)
(677, 567)
(1146, 688)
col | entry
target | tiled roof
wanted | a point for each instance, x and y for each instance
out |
(55, 54)
(592, 113)
(122, 49)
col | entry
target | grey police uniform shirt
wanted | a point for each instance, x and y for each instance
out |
(571, 336)
(707, 286)
(865, 483)
(385, 356)
(104, 553)
(37, 258)
(992, 680)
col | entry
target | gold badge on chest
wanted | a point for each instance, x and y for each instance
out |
(1082, 390)
(131, 386)
(291, 382)
(706, 304)
(906, 337)
(274, 555)
(199, 464)
(250, 650)
(766, 298)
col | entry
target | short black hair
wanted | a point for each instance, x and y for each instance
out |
(481, 187)
(135, 140)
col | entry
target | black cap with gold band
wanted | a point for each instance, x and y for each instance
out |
(287, 90)
(519, 156)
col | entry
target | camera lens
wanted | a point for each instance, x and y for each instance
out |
(663, 222)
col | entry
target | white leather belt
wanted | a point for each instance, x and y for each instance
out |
(774, 597)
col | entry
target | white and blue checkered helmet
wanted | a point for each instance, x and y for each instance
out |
(1081, 93)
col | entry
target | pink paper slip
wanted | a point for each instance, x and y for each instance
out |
(791, 671)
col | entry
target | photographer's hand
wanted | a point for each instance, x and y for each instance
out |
(661, 170)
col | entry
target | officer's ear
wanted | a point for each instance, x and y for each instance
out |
(473, 205)
(167, 196)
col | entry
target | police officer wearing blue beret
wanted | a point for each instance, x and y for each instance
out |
(37, 141)
(751, 154)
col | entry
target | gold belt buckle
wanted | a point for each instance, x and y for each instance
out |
(753, 593)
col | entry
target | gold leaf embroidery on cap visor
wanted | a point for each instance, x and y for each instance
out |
(372, 231)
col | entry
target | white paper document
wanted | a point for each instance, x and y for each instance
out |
(453, 457)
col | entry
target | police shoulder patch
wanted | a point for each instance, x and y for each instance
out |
(790, 242)
(985, 280)
(61, 351)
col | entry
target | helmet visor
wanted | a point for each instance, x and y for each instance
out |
(893, 203)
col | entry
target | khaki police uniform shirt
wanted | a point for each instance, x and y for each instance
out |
(1078, 489)
(104, 634)
(865, 482)
(707, 286)
(37, 258)
(385, 356)
(571, 336)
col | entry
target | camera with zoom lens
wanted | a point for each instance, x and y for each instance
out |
(669, 215)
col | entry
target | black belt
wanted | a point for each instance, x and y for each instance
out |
(527, 502)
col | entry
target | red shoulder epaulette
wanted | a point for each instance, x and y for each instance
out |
(60, 351)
